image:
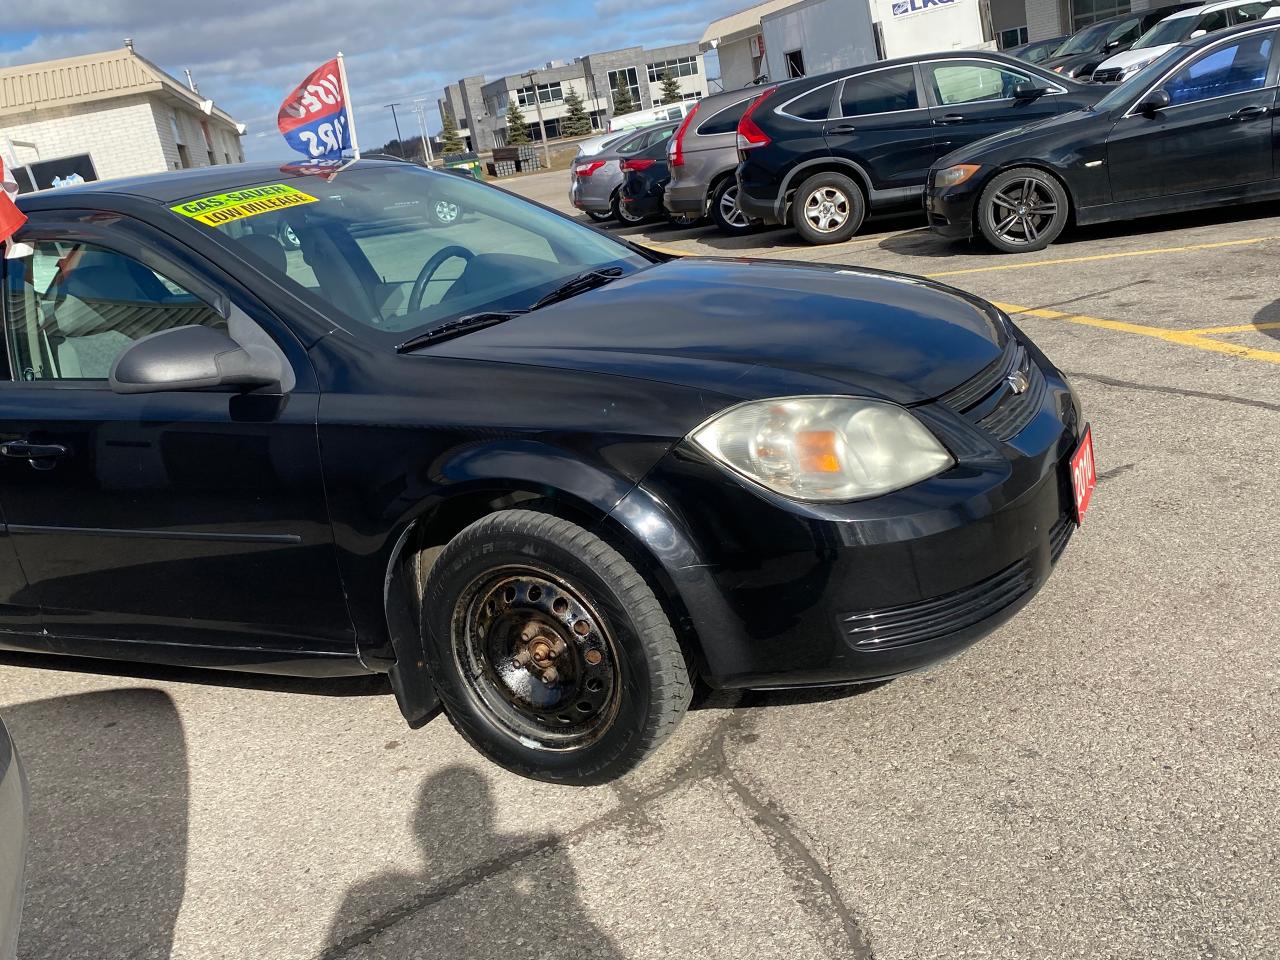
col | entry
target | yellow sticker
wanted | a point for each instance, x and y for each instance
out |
(225, 207)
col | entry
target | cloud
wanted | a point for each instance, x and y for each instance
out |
(248, 54)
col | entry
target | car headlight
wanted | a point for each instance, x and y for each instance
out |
(824, 448)
(1128, 71)
(954, 176)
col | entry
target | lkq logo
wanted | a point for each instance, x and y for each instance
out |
(903, 8)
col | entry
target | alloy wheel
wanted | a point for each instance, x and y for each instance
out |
(1021, 210)
(826, 209)
(729, 209)
(446, 212)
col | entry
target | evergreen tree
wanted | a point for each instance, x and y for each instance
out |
(622, 102)
(450, 142)
(670, 88)
(577, 123)
(517, 129)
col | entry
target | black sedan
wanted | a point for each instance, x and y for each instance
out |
(1191, 130)
(537, 475)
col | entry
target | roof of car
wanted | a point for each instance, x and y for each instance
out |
(175, 185)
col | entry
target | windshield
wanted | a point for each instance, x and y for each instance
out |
(1173, 30)
(1089, 40)
(1128, 92)
(398, 249)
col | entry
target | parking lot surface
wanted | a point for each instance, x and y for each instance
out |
(1098, 778)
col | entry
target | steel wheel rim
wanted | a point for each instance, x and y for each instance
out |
(446, 212)
(730, 212)
(827, 209)
(290, 237)
(1022, 210)
(537, 657)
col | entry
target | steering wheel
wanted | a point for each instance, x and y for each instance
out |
(429, 269)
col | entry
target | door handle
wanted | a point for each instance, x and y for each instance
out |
(38, 453)
(843, 128)
(1249, 113)
(949, 118)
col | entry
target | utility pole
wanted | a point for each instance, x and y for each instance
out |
(542, 127)
(395, 120)
(422, 128)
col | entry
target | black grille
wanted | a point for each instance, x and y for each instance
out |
(988, 399)
(1107, 76)
(940, 616)
(1059, 535)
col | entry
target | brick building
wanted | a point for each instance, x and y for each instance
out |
(127, 114)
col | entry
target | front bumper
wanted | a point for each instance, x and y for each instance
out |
(950, 209)
(784, 594)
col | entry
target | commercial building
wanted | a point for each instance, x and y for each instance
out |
(479, 106)
(112, 114)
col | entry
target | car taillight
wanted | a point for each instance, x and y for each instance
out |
(751, 136)
(637, 164)
(675, 149)
(587, 169)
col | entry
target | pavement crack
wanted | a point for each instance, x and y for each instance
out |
(1175, 391)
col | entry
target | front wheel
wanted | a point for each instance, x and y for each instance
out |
(551, 654)
(828, 208)
(1022, 210)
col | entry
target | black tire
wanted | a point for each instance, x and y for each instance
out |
(828, 208)
(1022, 210)
(724, 209)
(599, 217)
(620, 214)
(618, 652)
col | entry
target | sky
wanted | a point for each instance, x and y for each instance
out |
(247, 54)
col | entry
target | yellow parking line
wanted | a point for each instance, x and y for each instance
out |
(1239, 328)
(1185, 338)
(1103, 256)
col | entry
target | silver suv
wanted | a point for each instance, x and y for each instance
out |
(595, 179)
(703, 156)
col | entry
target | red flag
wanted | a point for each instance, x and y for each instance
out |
(11, 218)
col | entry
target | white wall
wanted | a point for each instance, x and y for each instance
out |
(120, 136)
(910, 27)
(735, 64)
(831, 34)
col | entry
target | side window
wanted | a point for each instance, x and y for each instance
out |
(1234, 68)
(973, 82)
(74, 307)
(1211, 22)
(1127, 32)
(881, 91)
(814, 105)
(1248, 12)
(726, 121)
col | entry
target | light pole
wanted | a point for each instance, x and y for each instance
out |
(396, 121)
(542, 127)
(422, 128)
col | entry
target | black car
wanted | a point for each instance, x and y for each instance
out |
(820, 152)
(1192, 129)
(644, 182)
(1037, 51)
(1089, 46)
(537, 475)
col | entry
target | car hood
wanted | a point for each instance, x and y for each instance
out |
(1130, 57)
(746, 329)
(1070, 62)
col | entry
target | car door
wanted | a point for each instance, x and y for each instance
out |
(971, 99)
(189, 518)
(1215, 133)
(882, 124)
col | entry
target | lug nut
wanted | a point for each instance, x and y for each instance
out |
(522, 658)
(593, 657)
(550, 675)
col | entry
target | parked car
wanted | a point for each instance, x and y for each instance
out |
(1037, 51)
(820, 152)
(645, 177)
(589, 148)
(702, 158)
(538, 475)
(594, 181)
(651, 115)
(1180, 26)
(13, 843)
(1191, 130)
(1089, 46)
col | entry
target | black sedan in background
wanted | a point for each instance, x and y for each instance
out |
(13, 843)
(539, 476)
(1192, 129)
(821, 152)
(1089, 46)
(1037, 51)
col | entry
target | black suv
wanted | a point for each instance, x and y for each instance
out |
(819, 151)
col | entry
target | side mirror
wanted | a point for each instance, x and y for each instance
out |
(1027, 90)
(1154, 102)
(193, 358)
(1198, 33)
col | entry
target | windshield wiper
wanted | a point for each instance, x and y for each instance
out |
(579, 284)
(456, 328)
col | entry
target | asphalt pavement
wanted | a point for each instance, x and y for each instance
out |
(1098, 778)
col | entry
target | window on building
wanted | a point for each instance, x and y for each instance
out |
(184, 157)
(547, 93)
(683, 67)
(880, 91)
(1085, 12)
(1013, 37)
(795, 63)
(628, 78)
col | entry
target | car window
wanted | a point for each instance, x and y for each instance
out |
(881, 91)
(1233, 68)
(1127, 32)
(726, 121)
(973, 82)
(1211, 22)
(1248, 12)
(74, 307)
(814, 105)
